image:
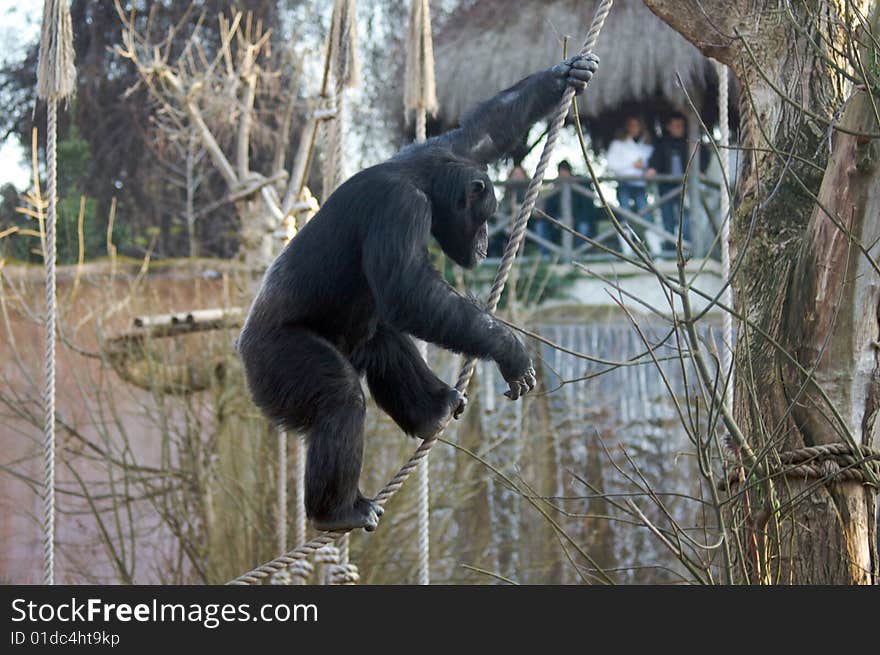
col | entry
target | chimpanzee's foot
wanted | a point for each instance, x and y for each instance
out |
(364, 514)
(452, 402)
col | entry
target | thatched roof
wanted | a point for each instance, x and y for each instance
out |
(492, 44)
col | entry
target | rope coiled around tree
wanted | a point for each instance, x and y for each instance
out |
(513, 244)
(834, 462)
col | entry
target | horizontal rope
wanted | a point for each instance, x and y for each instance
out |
(835, 461)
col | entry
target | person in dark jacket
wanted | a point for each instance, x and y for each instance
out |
(584, 213)
(670, 157)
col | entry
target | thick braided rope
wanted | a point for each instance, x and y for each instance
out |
(337, 136)
(510, 252)
(281, 517)
(724, 147)
(424, 523)
(326, 558)
(841, 452)
(423, 567)
(420, 95)
(344, 65)
(343, 574)
(343, 62)
(337, 171)
(421, 125)
(329, 135)
(343, 549)
(49, 386)
(299, 477)
(302, 569)
(835, 460)
(56, 80)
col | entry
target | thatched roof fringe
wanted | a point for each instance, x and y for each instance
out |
(494, 43)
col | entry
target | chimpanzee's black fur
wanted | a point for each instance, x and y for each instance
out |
(344, 296)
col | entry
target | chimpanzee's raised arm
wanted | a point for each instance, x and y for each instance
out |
(495, 127)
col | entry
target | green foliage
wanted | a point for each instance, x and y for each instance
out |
(15, 246)
(74, 160)
(540, 280)
(74, 157)
(537, 279)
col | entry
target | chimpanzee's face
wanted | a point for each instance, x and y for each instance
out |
(460, 226)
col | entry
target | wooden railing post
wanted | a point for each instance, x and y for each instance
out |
(567, 218)
(698, 221)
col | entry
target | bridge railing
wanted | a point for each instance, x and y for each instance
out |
(574, 202)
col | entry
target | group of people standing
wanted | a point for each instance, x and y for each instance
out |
(633, 157)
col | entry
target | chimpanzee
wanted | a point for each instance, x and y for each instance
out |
(346, 295)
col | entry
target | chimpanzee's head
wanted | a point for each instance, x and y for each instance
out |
(462, 200)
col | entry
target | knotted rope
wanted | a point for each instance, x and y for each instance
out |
(345, 67)
(56, 77)
(834, 462)
(513, 244)
(326, 557)
(419, 88)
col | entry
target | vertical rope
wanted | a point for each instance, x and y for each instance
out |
(343, 550)
(345, 67)
(419, 89)
(282, 491)
(423, 569)
(49, 384)
(516, 237)
(420, 95)
(333, 169)
(284, 576)
(424, 523)
(299, 476)
(421, 125)
(724, 148)
(56, 78)
(301, 570)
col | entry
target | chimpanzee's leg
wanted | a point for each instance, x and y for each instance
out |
(300, 380)
(403, 385)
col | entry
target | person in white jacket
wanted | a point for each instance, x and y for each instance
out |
(628, 156)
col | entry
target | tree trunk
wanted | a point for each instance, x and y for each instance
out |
(258, 245)
(809, 291)
(240, 498)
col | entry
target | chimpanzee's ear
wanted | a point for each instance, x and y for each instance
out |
(477, 187)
